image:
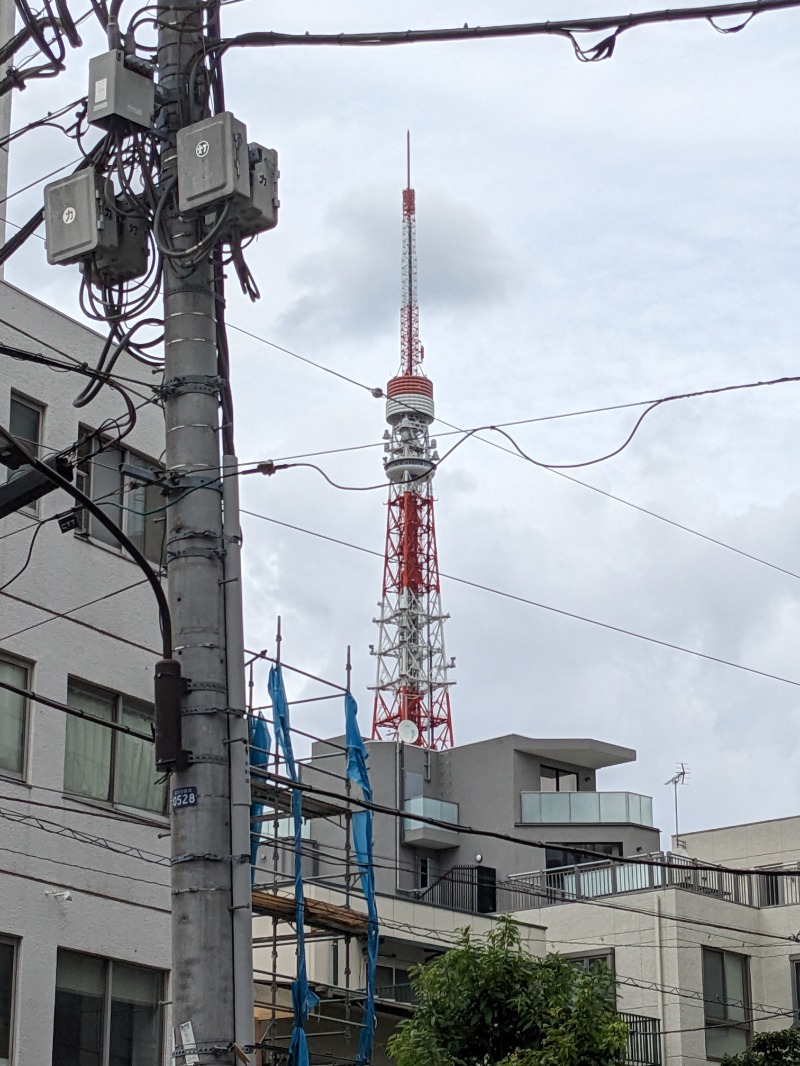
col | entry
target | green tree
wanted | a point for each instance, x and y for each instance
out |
(781, 1048)
(489, 1003)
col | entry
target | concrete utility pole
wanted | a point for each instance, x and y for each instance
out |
(203, 968)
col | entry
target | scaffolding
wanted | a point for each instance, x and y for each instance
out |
(337, 915)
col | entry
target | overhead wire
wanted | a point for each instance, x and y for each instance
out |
(570, 29)
(538, 604)
(516, 453)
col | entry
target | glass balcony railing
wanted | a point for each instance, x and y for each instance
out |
(563, 808)
(441, 810)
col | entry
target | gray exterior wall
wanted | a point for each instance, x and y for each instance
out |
(119, 905)
(485, 779)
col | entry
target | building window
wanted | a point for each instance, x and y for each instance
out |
(13, 715)
(7, 968)
(25, 422)
(795, 965)
(393, 982)
(572, 854)
(138, 509)
(105, 764)
(107, 1013)
(726, 997)
(588, 959)
(553, 780)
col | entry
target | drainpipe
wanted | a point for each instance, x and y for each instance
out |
(660, 977)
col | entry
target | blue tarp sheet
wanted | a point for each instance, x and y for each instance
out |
(303, 999)
(259, 756)
(361, 827)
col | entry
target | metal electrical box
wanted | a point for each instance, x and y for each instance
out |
(115, 92)
(261, 213)
(79, 217)
(130, 257)
(213, 162)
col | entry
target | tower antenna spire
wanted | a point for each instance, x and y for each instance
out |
(412, 684)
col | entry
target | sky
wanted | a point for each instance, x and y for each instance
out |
(589, 235)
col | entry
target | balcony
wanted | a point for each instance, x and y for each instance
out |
(644, 1040)
(421, 835)
(586, 808)
(767, 887)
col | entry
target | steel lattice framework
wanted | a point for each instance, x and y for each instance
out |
(412, 677)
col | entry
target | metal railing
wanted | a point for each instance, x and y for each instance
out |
(403, 993)
(644, 1034)
(771, 887)
(644, 1039)
(563, 808)
(472, 889)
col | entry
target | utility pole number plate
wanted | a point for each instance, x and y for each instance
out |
(184, 797)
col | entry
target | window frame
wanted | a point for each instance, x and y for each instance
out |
(12, 942)
(115, 737)
(555, 774)
(15, 396)
(745, 1025)
(108, 998)
(794, 970)
(28, 666)
(84, 479)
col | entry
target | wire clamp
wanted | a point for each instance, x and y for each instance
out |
(204, 686)
(207, 384)
(207, 856)
(220, 760)
(192, 534)
(191, 553)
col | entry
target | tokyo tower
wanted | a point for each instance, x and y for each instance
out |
(412, 685)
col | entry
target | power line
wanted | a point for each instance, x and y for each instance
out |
(75, 712)
(517, 453)
(569, 29)
(67, 616)
(541, 606)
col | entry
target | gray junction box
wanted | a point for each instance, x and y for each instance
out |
(261, 213)
(213, 163)
(79, 217)
(116, 92)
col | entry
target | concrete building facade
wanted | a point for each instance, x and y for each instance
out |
(84, 873)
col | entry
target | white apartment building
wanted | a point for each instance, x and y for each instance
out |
(84, 878)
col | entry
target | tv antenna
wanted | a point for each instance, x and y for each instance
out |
(678, 778)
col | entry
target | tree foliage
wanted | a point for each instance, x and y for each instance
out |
(781, 1048)
(489, 1003)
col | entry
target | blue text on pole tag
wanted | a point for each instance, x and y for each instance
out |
(184, 797)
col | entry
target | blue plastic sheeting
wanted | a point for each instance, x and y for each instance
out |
(303, 999)
(280, 721)
(259, 756)
(356, 749)
(361, 827)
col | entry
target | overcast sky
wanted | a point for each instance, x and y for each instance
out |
(588, 235)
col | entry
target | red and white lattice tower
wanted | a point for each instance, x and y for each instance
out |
(412, 683)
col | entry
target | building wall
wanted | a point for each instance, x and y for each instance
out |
(485, 780)
(119, 906)
(657, 938)
(776, 841)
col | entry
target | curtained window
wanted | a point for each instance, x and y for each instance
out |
(12, 717)
(106, 764)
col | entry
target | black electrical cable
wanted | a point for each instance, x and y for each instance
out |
(541, 606)
(26, 564)
(567, 28)
(112, 527)
(75, 712)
